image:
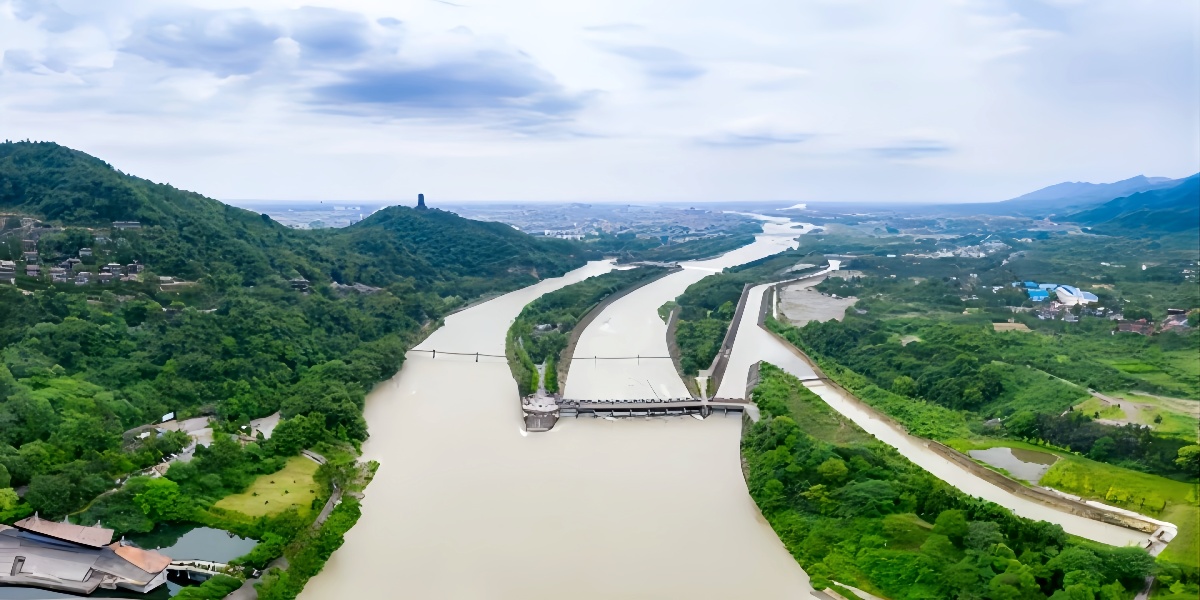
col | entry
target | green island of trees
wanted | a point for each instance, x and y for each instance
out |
(542, 331)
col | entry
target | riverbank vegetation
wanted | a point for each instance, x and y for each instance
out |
(542, 331)
(851, 509)
(88, 371)
(707, 307)
(923, 347)
(628, 247)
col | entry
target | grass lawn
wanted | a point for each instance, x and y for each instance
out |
(273, 493)
(1158, 497)
(1116, 486)
(1175, 421)
(1092, 405)
(808, 409)
(1185, 548)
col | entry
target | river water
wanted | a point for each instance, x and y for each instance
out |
(467, 505)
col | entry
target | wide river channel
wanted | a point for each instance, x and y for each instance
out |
(466, 504)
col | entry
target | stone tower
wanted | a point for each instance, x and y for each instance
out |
(421, 202)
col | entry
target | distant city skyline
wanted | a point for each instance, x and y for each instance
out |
(610, 101)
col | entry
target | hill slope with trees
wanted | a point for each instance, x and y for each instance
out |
(83, 368)
(187, 235)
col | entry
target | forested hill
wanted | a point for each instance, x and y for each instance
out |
(1169, 210)
(85, 361)
(435, 245)
(187, 235)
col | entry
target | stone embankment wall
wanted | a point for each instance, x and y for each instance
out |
(721, 360)
(564, 359)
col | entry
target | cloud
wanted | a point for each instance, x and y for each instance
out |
(21, 61)
(661, 63)
(754, 140)
(1040, 14)
(614, 28)
(53, 18)
(231, 42)
(912, 150)
(330, 34)
(489, 82)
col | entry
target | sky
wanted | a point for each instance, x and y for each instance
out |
(610, 100)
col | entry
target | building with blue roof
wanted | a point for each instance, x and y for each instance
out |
(1030, 285)
(1038, 295)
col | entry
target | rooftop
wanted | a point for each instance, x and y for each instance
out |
(94, 537)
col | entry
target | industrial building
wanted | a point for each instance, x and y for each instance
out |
(1065, 294)
(1072, 295)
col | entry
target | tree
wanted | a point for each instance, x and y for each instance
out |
(939, 548)
(8, 499)
(51, 495)
(1023, 424)
(952, 524)
(904, 386)
(1103, 448)
(982, 536)
(161, 500)
(833, 470)
(1188, 459)
(297, 433)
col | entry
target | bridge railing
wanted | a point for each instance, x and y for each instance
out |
(434, 353)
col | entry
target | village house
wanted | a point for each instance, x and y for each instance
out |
(58, 275)
(1140, 327)
(105, 278)
(83, 278)
(29, 245)
(1177, 320)
(85, 252)
(114, 268)
(33, 270)
(30, 257)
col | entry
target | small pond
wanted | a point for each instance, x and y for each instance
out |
(180, 542)
(1029, 465)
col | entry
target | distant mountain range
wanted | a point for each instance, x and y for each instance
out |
(1079, 193)
(1138, 204)
(1158, 210)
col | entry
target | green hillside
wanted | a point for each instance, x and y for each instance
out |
(1169, 210)
(187, 235)
(83, 365)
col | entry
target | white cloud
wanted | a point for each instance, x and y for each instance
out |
(612, 99)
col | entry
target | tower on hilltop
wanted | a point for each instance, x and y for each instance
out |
(421, 202)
